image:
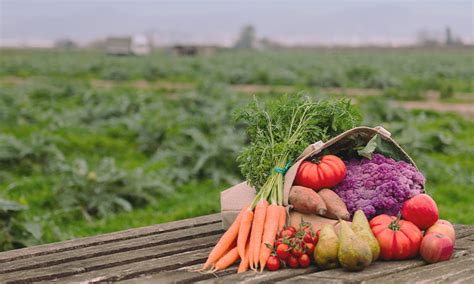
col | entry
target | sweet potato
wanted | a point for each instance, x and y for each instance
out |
(316, 221)
(306, 200)
(336, 208)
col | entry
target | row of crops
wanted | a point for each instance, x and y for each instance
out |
(76, 161)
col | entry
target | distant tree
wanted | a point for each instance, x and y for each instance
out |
(65, 44)
(247, 38)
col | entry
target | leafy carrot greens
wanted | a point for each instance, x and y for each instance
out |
(279, 130)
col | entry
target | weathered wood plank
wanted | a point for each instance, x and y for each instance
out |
(176, 237)
(463, 231)
(110, 261)
(265, 276)
(181, 275)
(376, 269)
(136, 269)
(107, 238)
(430, 273)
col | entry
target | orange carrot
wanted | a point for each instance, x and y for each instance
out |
(282, 220)
(224, 242)
(227, 260)
(244, 263)
(257, 231)
(269, 233)
(244, 231)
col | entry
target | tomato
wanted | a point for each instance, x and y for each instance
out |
(292, 261)
(283, 251)
(297, 251)
(316, 237)
(309, 248)
(304, 260)
(291, 228)
(273, 263)
(327, 173)
(398, 239)
(278, 242)
(308, 237)
(287, 233)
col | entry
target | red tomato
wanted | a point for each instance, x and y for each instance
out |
(273, 263)
(398, 239)
(327, 173)
(304, 260)
(297, 251)
(278, 242)
(287, 233)
(291, 228)
(308, 237)
(283, 251)
(292, 261)
(309, 248)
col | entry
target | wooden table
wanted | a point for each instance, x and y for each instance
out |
(167, 252)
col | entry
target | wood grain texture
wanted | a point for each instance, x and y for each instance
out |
(107, 238)
(166, 253)
(109, 249)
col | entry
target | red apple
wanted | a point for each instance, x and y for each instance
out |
(442, 227)
(436, 247)
(421, 210)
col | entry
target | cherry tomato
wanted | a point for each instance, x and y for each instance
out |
(304, 260)
(278, 242)
(287, 233)
(308, 237)
(273, 263)
(291, 228)
(283, 251)
(309, 248)
(292, 261)
(297, 251)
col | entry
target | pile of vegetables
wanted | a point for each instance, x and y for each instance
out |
(278, 130)
(359, 183)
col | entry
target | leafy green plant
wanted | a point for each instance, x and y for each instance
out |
(106, 189)
(14, 232)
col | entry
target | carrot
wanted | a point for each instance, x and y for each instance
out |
(282, 220)
(227, 260)
(244, 263)
(224, 242)
(257, 231)
(270, 230)
(244, 231)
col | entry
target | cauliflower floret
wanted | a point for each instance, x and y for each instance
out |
(379, 186)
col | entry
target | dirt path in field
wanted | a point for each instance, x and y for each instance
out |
(432, 102)
(466, 110)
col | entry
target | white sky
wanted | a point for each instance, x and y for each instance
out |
(293, 22)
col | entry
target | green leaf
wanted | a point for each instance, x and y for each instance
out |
(6, 205)
(369, 149)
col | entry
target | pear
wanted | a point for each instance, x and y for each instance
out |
(327, 248)
(354, 253)
(361, 227)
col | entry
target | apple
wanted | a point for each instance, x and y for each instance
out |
(442, 227)
(436, 247)
(421, 210)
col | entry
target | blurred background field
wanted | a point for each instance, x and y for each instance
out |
(93, 143)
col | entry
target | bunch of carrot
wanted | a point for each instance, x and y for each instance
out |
(247, 238)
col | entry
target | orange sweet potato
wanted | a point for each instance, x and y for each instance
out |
(306, 200)
(336, 208)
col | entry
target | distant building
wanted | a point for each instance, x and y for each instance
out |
(193, 50)
(137, 45)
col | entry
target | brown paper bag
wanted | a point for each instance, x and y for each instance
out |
(235, 198)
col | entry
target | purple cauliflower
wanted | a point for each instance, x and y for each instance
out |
(379, 186)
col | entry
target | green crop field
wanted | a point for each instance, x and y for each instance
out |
(91, 143)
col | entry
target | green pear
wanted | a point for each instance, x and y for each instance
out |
(325, 252)
(361, 227)
(354, 253)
